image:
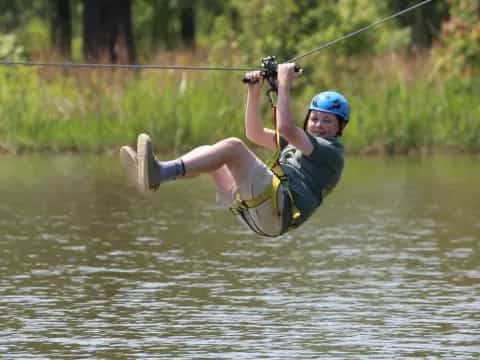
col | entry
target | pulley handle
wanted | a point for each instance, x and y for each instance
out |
(245, 80)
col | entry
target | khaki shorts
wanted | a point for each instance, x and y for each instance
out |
(253, 184)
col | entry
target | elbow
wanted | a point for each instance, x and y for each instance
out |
(287, 130)
(250, 134)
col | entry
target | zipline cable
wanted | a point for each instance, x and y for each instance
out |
(359, 31)
(125, 66)
(207, 68)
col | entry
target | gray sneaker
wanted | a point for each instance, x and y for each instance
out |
(128, 158)
(148, 167)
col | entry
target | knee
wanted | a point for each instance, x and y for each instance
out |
(234, 144)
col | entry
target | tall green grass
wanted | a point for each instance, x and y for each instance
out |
(99, 111)
(400, 117)
(96, 112)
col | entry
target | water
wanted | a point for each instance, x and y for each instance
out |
(389, 267)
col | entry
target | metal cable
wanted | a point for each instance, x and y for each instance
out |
(347, 36)
(126, 66)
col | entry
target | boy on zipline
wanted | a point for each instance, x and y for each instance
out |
(270, 200)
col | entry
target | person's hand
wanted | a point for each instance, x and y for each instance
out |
(286, 74)
(254, 79)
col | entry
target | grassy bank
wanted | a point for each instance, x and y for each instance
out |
(99, 111)
(95, 112)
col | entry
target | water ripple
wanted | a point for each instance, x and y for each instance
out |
(99, 273)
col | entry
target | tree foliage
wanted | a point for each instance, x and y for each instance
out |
(424, 23)
(286, 28)
(459, 53)
(241, 32)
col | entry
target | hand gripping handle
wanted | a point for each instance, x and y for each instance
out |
(245, 80)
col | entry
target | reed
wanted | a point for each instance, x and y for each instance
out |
(98, 111)
(396, 117)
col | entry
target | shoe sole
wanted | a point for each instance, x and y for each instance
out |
(143, 148)
(128, 159)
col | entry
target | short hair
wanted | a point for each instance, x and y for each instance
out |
(341, 125)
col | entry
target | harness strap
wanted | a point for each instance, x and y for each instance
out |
(240, 206)
(270, 192)
(274, 165)
(296, 214)
(248, 219)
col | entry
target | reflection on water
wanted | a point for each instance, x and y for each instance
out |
(389, 267)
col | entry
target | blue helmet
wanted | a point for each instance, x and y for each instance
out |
(331, 102)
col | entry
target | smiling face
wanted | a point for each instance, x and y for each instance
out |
(322, 124)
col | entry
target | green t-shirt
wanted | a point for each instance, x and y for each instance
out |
(312, 177)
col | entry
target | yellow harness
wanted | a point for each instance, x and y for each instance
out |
(239, 205)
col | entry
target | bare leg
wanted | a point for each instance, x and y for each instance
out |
(195, 152)
(222, 177)
(231, 152)
(226, 160)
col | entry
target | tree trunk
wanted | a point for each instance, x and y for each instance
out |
(107, 32)
(160, 24)
(61, 27)
(187, 22)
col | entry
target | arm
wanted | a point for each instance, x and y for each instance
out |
(253, 125)
(286, 125)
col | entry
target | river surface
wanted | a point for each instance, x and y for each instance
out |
(388, 267)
